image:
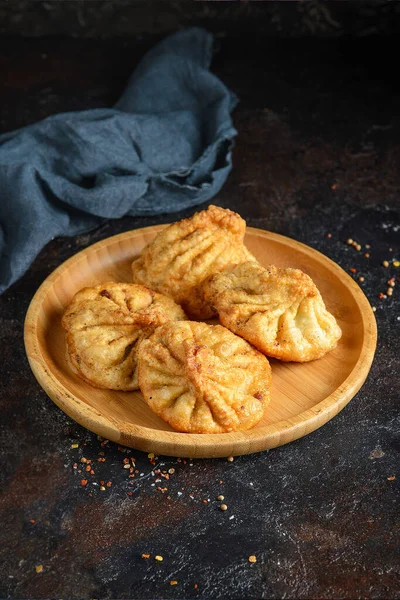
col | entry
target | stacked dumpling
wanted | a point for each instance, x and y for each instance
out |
(279, 311)
(199, 378)
(181, 256)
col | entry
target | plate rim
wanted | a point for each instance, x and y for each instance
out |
(189, 444)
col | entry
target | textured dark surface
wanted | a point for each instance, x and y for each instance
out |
(317, 153)
(124, 18)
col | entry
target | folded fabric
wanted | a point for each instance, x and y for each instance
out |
(164, 147)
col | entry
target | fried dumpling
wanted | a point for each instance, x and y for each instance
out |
(104, 327)
(280, 311)
(181, 256)
(203, 379)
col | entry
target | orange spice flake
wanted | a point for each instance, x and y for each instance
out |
(252, 559)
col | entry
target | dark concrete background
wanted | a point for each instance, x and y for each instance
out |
(128, 18)
(317, 153)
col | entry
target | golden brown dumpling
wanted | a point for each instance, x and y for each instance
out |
(181, 256)
(203, 379)
(104, 326)
(280, 311)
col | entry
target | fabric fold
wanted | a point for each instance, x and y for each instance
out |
(164, 147)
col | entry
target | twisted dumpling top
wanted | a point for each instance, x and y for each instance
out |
(280, 311)
(104, 326)
(181, 256)
(203, 379)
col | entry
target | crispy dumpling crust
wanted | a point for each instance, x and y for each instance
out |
(280, 311)
(104, 327)
(181, 256)
(203, 379)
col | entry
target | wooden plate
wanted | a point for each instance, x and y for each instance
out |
(304, 396)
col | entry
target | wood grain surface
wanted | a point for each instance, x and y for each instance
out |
(304, 396)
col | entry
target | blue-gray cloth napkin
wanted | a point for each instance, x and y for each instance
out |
(165, 146)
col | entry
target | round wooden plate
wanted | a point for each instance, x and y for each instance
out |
(304, 396)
